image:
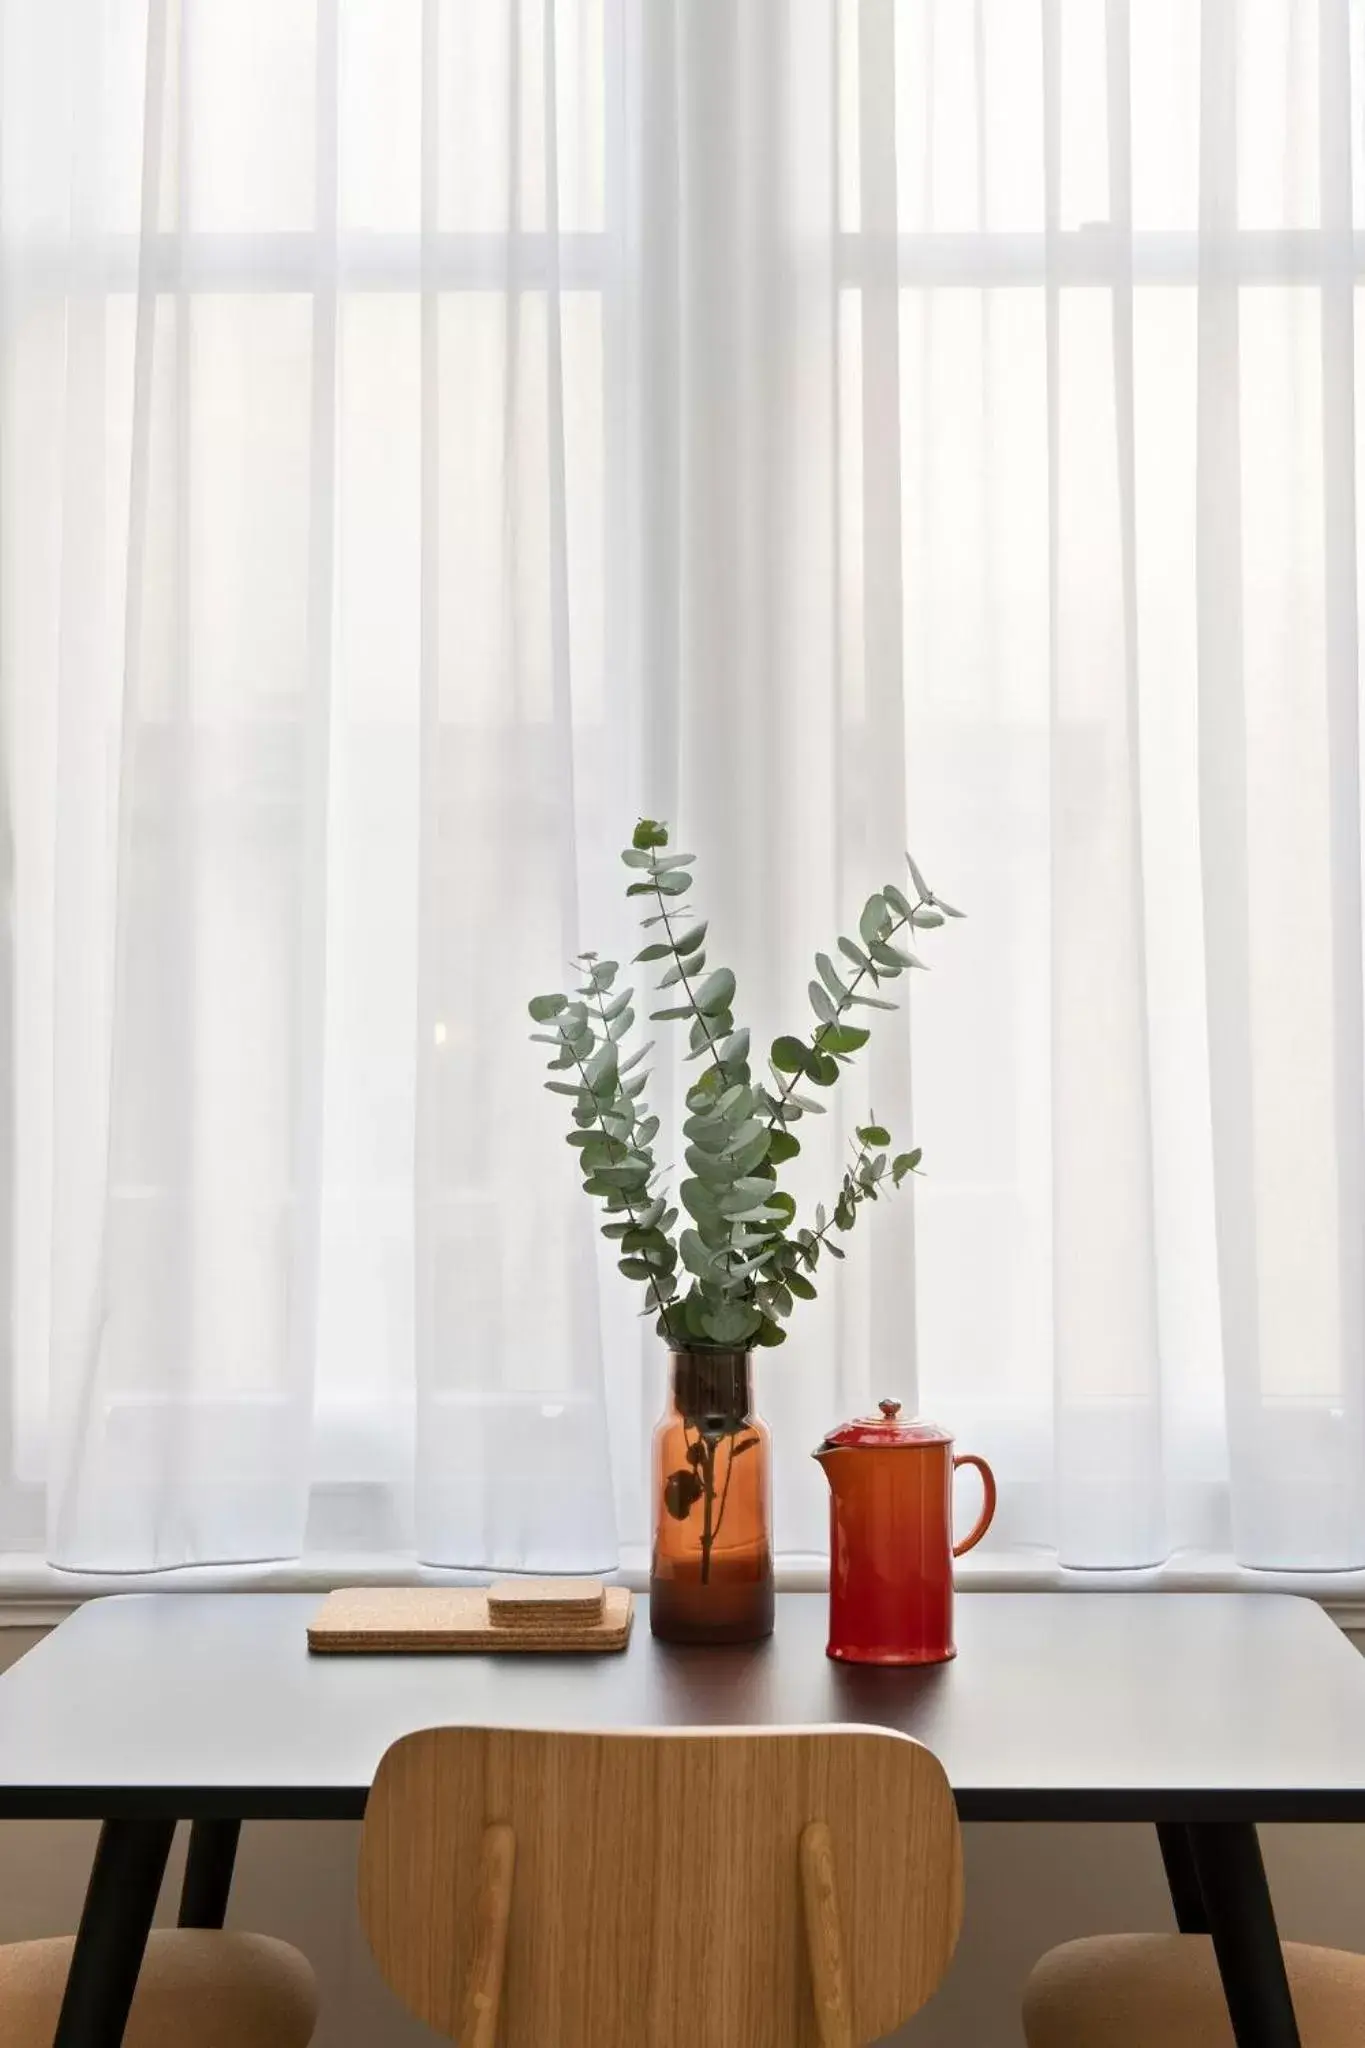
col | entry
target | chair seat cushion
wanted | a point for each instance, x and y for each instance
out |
(213, 1990)
(1163, 1991)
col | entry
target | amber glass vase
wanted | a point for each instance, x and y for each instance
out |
(711, 1578)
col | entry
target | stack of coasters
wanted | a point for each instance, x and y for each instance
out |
(513, 1614)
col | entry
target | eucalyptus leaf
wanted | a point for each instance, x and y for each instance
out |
(712, 1167)
(638, 1240)
(731, 1323)
(826, 969)
(755, 1151)
(843, 1038)
(926, 919)
(696, 1256)
(788, 1055)
(854, 953)
(782, 1146)
(822, 1004)
(629, 1173)
(675, 883)
(680, 968)
(874, 920)
(699, 1202)
(543, 1008)
(654, 952)
(712, 1134)
(716, 992)
(601, 1071)
(600, 1152)
(662, 1016)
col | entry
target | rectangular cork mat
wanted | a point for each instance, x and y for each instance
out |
(573, 1615)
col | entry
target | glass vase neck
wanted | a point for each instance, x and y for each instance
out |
(711, 1384)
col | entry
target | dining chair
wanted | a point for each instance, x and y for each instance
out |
(204, 1988)
(685, 1888)
(1140, 1990)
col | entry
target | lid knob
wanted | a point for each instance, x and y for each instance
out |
(890, 1409)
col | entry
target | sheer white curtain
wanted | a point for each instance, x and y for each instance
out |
(433, 432)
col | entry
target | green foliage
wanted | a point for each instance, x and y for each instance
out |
(731, 1276)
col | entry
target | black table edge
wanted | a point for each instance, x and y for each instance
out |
(257, 1803)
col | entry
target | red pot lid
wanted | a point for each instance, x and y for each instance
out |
(885, 1431)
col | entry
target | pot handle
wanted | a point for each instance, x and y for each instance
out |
(988, 1507)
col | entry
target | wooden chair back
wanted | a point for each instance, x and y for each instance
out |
(671, 1889)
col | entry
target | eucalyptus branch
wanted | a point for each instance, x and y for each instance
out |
(627, 1203)
(886, 915)
(870, 1173)
(746, 1262)
(683, 982)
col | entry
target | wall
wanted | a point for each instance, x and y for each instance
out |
(1027, 1887)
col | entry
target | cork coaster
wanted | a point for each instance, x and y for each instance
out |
(434, 1620)
(542, 1603)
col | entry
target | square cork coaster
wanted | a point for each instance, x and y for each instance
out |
(546, 1603)
(435, 1620)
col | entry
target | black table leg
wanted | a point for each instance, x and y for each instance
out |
(116, 1919)
(1181, 1877)
(1241, 1919)
(208, 1872)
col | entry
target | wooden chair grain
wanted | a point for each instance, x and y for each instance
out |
(785, 1889)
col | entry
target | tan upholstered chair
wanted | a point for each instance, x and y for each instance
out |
(196, 1990)
(1163, 1991)
(678, 1889)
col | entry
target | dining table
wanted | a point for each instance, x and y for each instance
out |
(1197, 1714)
